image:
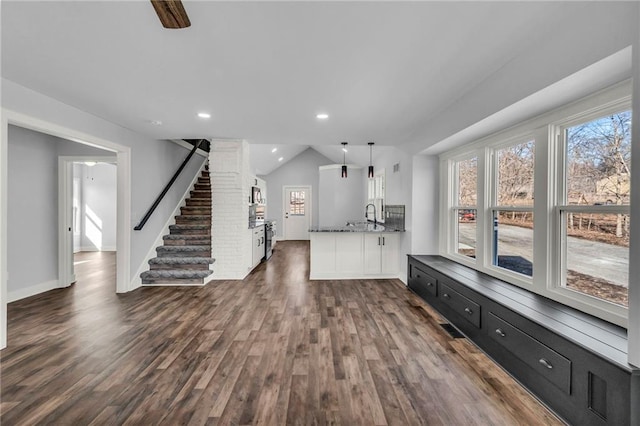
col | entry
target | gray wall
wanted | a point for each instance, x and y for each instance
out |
(341, 199)
(301, 170)
(32, 206)
(32, 216)
(153, 162)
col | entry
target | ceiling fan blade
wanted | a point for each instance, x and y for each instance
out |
(171, 13)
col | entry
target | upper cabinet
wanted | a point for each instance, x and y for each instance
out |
(376, 193)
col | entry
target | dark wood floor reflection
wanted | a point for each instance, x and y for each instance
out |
(273, 349)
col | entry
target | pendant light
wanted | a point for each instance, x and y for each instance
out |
(370, 160)
(344, 159)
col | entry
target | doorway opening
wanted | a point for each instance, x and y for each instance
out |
(64, 274)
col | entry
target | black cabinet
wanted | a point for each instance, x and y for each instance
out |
(575, 363)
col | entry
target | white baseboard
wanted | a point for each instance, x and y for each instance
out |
(23, 293)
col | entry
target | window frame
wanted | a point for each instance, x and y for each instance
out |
(452, 211)
(561, 207)
(549, 180)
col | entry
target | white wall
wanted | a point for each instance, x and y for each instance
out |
(634, 249)
(596, 32)
(98, 208)
(301, 170)
(340, 199)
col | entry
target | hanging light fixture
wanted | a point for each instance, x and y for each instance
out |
(370, 160)
(344, 159)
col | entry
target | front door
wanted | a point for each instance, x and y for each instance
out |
(297, 212)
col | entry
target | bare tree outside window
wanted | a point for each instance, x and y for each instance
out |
(598, 169)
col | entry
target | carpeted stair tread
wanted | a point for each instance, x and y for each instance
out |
(194, 217)
(181, 260)
(190, 227)
(187, 237)
(175, 274)
(178, 249)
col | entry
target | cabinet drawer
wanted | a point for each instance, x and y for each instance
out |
(464, 306)
(544, 360)
(422, 279)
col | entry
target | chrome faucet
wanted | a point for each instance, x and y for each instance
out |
(366, 213)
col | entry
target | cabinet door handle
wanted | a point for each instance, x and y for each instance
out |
(446, 296)
(469, 311)
(500, 332)
(382, 240)
(545, 363)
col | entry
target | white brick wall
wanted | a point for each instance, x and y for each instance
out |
(230, 186)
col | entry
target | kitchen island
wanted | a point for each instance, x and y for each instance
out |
(355, 250)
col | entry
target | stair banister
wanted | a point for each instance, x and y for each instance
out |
(155, 204)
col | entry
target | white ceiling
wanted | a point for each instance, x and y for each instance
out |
(265, 69)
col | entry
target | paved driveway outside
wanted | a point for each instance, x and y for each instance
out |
(592, 258)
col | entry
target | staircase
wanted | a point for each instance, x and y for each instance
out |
(186, 254)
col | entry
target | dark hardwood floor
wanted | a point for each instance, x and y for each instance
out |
(273, 349)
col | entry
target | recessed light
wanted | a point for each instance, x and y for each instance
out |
(204, 115)
(322, 116)
(274, 150)
(281, 158)
(155, 122)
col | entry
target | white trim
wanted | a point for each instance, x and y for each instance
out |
(4, 173)
(66, 248)
(144, 265)
(33, 290)
(123, 190)
(634, 249)
(65, 221)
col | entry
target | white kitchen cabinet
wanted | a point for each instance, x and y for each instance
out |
(381, 254)
(349, 255)
(258, 245)
(324, 249)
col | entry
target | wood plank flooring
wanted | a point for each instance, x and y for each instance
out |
(273, 349)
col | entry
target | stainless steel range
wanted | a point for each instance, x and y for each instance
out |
(269, 233)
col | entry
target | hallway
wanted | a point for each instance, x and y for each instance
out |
(272, 349)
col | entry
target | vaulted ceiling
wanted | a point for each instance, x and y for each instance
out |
(263, 70)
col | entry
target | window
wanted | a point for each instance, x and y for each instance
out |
(465, 210)
(545, 204)
(594, 207)
(512, 227)
(296, 203)
(376, 192)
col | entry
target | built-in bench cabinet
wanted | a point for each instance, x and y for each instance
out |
(574, 363)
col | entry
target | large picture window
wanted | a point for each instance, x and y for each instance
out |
(545, 204)
(512, 227)
(594, 207)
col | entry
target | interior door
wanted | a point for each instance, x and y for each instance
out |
(297, 213)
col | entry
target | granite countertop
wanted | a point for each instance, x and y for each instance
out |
(355, 227)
